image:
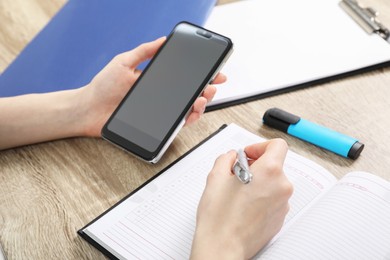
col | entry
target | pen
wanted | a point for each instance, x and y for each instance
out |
(313, 133)
(241, 167)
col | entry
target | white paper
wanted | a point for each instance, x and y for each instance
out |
(350, 222)
(283, 43)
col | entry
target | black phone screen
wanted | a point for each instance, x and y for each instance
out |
(168, 87)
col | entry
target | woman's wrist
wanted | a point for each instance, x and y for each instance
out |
(75, 111)
(209, 246)
(92, 110)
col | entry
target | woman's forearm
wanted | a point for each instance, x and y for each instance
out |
(38, 118)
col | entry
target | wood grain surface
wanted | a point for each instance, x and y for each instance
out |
(48, 191)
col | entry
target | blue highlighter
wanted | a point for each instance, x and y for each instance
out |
(313, 133)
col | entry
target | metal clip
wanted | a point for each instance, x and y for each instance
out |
(366, 18)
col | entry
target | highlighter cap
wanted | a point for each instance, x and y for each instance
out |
(279, 119)
(355, 150)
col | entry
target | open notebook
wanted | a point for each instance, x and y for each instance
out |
(328, 219)
(281, 45)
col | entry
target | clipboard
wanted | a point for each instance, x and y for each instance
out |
(282, 45)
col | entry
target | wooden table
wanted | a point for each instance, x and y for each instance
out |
(48, 191)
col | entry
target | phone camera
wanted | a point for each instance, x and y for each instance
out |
(204, 33)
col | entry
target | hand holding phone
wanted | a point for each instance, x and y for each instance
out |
(154, 110)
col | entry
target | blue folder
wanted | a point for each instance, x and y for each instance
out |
(86, 34)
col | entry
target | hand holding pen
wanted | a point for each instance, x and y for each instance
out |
(232, 215)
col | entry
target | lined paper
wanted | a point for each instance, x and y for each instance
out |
(158, 222)
(352, 221)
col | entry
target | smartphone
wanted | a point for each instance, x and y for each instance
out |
(154, 110)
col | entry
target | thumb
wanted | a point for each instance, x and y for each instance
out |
(142, 53)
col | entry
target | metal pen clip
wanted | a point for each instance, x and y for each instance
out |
(366, 18)
(241, 168)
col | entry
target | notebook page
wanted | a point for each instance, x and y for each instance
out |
(282, 43)
(158, 221)
(352, 221)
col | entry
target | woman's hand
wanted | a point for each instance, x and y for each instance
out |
(236, 220)
(101, 97)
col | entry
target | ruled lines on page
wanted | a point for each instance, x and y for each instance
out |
(310, 181)
(350, 222)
